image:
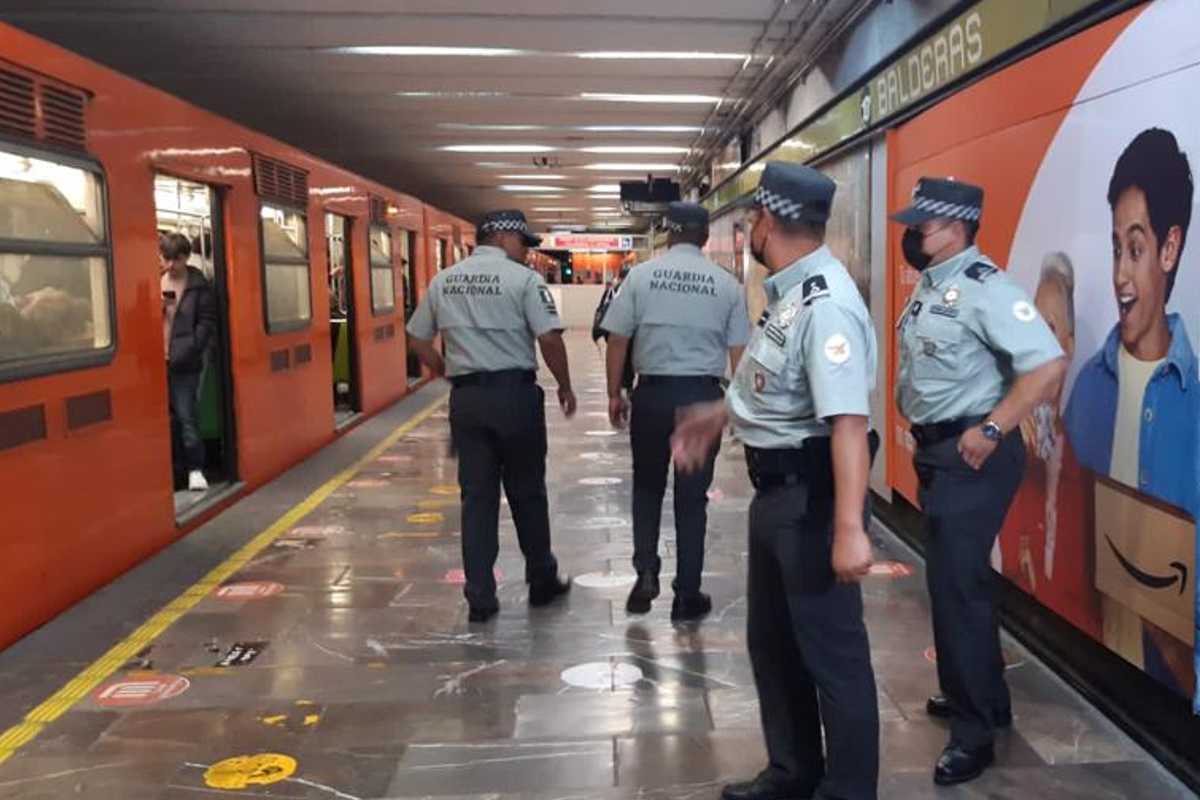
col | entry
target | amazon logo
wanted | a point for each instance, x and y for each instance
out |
(1147, 579)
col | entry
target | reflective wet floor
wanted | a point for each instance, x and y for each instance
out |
(338, 663)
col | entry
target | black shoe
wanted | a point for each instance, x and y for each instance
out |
(482, 614)
(690, 606)
(764, 787)
(643, 592)
(938, 706)
(959, 765)
(543, 593)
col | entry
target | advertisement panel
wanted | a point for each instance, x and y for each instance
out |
(1087, 152)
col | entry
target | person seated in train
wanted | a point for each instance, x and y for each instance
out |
(189, 328)
(36, 315)
(1134, 411)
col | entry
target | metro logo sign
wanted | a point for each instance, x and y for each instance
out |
(586, 241)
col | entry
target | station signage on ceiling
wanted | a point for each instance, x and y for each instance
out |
(586, 241)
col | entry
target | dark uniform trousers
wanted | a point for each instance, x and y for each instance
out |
(656, 401)
(808, 645)
(964, 511)
(500, 432)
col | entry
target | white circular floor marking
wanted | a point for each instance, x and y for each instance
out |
(605, 580)
(605, 481)
(600, 433)
(602, 675)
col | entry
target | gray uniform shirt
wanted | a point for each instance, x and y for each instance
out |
(965, 334)
(812, 357)
(686, 313)
(489, 309)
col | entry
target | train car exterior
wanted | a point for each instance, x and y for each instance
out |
(315, 270)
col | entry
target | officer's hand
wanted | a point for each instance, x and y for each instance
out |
(618, 411)
(697, 428)
(566, 401)
(975, 448)
(851, 553)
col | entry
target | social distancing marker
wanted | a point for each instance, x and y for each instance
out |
(367, 483)
(602, 675)
(605, 580)
(431, 504)
(242, 772)
(140, 690)
(101, 669)
(251, 590)
(606, 481)
(457, 577)
(390, 535)
(425, 518)
(444, 489)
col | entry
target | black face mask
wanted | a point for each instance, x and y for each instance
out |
(912, 245)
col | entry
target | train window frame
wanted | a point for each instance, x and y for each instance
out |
(41, 365)
(390, 266)
(285, 326)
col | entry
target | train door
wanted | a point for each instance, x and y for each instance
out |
(408, 247)
(200, 386)
(342, 337)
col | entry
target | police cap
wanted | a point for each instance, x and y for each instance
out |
(793, 193)
(942, 198)
(508, 220)
(686, 217)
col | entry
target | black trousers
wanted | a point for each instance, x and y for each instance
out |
(964, 511)
(652, 421)
(500, 433)
(809, 648)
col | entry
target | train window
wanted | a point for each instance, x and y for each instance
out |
(287, 274)
(55, 292)
(383, 276)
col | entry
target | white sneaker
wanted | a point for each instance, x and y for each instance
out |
(196, 482)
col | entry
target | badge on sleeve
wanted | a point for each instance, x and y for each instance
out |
(787, 315)
(547, 299)
(1024, 311)
(813, 288)
(837, 349)
(950, 297)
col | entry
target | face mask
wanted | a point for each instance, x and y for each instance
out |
(912, 244)
(758, 253)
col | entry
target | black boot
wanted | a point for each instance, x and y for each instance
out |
(690, 606)
(643, 592)
(543, 593)
(766, 787)
(959, 765)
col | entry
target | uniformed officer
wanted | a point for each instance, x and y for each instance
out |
(490, 308)
(800, 403)
(689, 316)
(975, 359)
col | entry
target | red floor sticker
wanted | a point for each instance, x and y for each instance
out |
(140, 691)
(458, 577)
(253, 590)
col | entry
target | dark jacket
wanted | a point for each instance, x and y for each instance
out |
(195, 324)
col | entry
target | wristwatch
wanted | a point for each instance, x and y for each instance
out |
(992, 431)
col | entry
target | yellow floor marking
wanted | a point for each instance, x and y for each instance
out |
(444, 488)
(99, 671)
(435, 504)
(241, 772)
(425, 517)
(409, 535)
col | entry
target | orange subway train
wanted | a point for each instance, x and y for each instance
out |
(314, 270)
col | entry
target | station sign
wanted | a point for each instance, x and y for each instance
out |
(586, 241)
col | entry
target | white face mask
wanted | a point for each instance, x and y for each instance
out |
(1043, 417)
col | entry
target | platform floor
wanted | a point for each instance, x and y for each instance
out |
(340, 660)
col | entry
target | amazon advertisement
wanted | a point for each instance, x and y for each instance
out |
(1088, 153)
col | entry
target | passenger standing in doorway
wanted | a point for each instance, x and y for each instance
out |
(490, 309)
(686, 316)
(189, 327)
(800, 402)
(976, 358)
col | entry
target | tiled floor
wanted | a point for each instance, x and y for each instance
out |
(351, 662)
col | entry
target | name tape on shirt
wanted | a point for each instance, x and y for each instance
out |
(482, 285)
(682, 282)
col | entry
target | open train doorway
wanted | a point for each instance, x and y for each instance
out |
(342, 338)
(196, 333)
(408, 249)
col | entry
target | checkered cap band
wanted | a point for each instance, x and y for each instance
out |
(941, 208)
(501, 225)
(780, 206)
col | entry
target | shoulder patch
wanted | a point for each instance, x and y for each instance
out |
(815, 287)
(547, 299)
(980, 271)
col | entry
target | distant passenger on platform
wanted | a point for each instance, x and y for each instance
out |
(976, 358)
(800, 401)
(686, 317)
(490, 309)
(598, 331)
(189, 328)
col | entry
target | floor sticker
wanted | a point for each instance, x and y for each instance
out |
(242, 772)
(444, 488)
(252, 590)
(425, 517)
(605, 580)
(605, 481)
(144, 690)
(602, 675)
(457, 577)
(241, 653)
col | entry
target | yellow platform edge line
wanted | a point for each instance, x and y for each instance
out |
(102, 668)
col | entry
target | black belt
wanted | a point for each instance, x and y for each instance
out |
(651, 380)
(935, 432)
(504, 377)
(772, 468)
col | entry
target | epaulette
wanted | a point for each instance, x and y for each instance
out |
(980, 271)
(814, 287)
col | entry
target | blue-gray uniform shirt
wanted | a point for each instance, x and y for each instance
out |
(812, 357)
(967, 331)
(686, 313)
(489, 310)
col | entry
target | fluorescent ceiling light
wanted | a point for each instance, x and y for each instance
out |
(471, 126)
(451, 95)
(497, 148)
(555, 208)
(660, 55)
(501, 165)
(616, 97)
(542, 196)
(534, 177)
(648, 150)
(426, 50)
(640, 128)
(525, 187)
(633, 167)
(604, 197)
(606, 187)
